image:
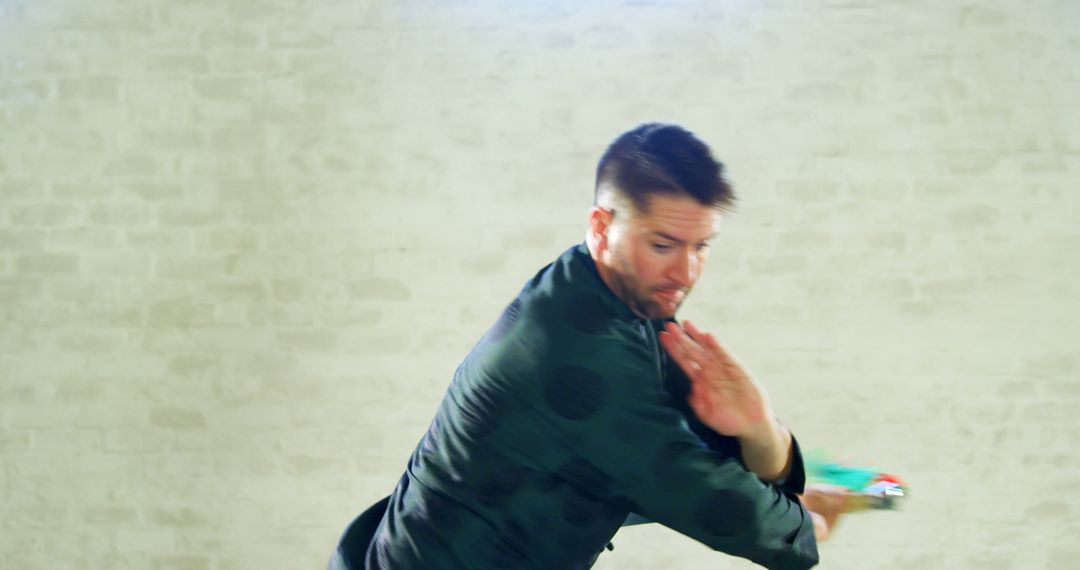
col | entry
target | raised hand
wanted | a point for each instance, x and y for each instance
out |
(723, 395)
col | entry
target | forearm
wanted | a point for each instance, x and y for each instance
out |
(767, 451)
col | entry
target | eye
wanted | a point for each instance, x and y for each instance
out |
(661, 247)
(702, 246)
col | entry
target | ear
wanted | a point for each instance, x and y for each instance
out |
(599, 223)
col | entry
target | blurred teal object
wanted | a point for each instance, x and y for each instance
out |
(854, 478)
(880, 490)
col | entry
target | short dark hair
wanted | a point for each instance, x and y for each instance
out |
(657, 158)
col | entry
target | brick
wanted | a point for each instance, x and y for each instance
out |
(937, 288)
(27, 560)
(78, 388)
(492, 263)
(122, 417)
(123, 214)
(14, 188)
(44, 214)
(37, 516)
(230, 314)
(244, 464)
(768, 265)
(178, 63)
(192, 266)
(22, 239)
(303, 113)
(228, 240)
(381, 343)
(183, 138)
(187, 562)
(14, 290)
(302, 240)
(238, 137)
(305, 465)
(47, 264)
(143, 440)
(90, 88)
(287, 316)
(181, 312)
(299, 39)
(348, 315)
(177, 418)
(37, 313)
(59, 439)
(133, 165)
(152, 190)
(185, 215)
(228, 89)
(27, 542)
(87, 236)
(895, 241)
(109, 515)
(262, 64)
(91, 342)
(145, 540)
(379, 289)
(194, 365)
(27, 89)
(158, 240)
(182, 517)
(130, 265)
(974, 216)
(307, 339)
(12, 441)
(232, 39)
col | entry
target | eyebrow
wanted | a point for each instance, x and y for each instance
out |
(670, 237)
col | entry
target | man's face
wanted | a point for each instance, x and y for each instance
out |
(656, 257)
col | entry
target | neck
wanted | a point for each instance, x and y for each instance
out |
(602, 269)
(607, 274)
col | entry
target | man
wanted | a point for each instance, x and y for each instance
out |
(587, 402)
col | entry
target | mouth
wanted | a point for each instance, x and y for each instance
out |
(671, 295)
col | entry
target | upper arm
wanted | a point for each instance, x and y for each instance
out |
(622, 424)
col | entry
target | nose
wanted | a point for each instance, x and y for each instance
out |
(684, 270)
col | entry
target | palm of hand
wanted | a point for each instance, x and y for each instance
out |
(723, 395)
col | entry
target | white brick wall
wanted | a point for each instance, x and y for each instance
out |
(244, 244)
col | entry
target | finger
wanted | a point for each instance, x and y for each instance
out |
(709, 344)
(694, 332)
(829, 500)
(676, 349)
(671, 345)
(694, 398)
(700, 399)
(686, 362)
(721, 352)
(703, 389)
(706, 340)
(821, 526)
(690, 347)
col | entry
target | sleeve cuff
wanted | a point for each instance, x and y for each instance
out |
(795, 482)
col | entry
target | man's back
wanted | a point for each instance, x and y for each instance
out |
(555, 427)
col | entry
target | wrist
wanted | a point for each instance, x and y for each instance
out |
(763, 433)
(767, 451)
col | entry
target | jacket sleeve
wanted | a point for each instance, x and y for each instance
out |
(677, 386)
(613, 414)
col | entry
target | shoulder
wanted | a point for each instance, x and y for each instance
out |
(566, 323)
(578, 315)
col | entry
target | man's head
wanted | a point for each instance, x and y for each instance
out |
(659, 196)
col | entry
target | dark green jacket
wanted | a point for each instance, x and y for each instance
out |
(563, 419)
